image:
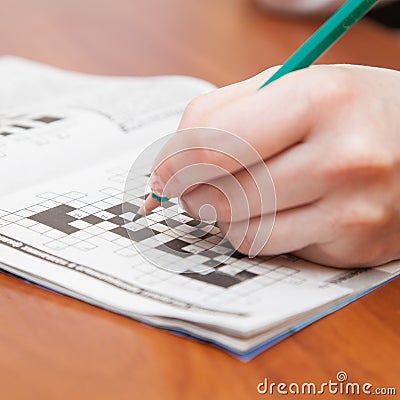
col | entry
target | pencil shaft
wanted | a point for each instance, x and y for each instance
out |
(331, 31)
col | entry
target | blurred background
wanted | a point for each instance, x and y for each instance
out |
(218, 40)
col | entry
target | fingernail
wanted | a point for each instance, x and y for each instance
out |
(156, 185)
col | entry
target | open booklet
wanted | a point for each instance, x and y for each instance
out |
(67, 141)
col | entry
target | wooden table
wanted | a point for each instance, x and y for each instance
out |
(53, 347)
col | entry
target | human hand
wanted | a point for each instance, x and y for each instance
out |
(330, 136)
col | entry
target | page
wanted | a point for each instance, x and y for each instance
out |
(53, 121)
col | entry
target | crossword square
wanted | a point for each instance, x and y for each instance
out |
(47, 120)
(94, 230)
(49, 204)
(138, 235)
(159, 227)
(90, 209)
(205, 245)
(244, 275)
(36, 208)
(124, 233)
(210, 254)
(126, 252)
(11, 218)
(82, 235)
(80, 224)
(193, 222)
(167, 204)
(128, 216)
(166, 249)
(173, 234)
(287, 270)
(48, 195)
(237, 255)
(170, 223)
(112, 201)
(192, 248)
(215, 278)
(117, 221)
(129, 207)
(70, 240)
(123, 242)
(185, 229)
(27, 223)
(85, 246)
(116, 210)
(78, 214)
(131, 226)
(213, 264)
(110, 236)
(92, 219)
(110, 191)
(104, 215)
(106, 225)
(75, 195)
(168, 213)
(155, 217)
(56, 245)
(186, 238)
(259, 269)
(176, 244)
(54, 234)
(22, 126)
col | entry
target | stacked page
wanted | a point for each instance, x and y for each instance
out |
(67, 142)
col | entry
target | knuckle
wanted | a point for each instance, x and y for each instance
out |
(337, 86)
(356, 156)
(364, 216)
(195, 111)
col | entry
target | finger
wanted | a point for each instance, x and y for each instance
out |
(212, 101)
(292, 230)
(291, 177)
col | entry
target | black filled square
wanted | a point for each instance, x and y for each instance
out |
(92, 219)
(21, 126)
(213, 263)
(176, 245)
(193, 222)
(244, 275)
(116, 210)
(121, 232)
(215, 278)
(47, 120)
(238, 255)
(139, 235)
(209, 254)
(171, 223)
(129, 207)
(117, 221)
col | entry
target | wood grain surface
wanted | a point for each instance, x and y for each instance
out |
(54, 347)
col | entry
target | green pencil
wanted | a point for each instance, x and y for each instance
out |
(329, 33)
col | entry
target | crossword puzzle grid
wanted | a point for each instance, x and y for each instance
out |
(86, 222)
(22, 127)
